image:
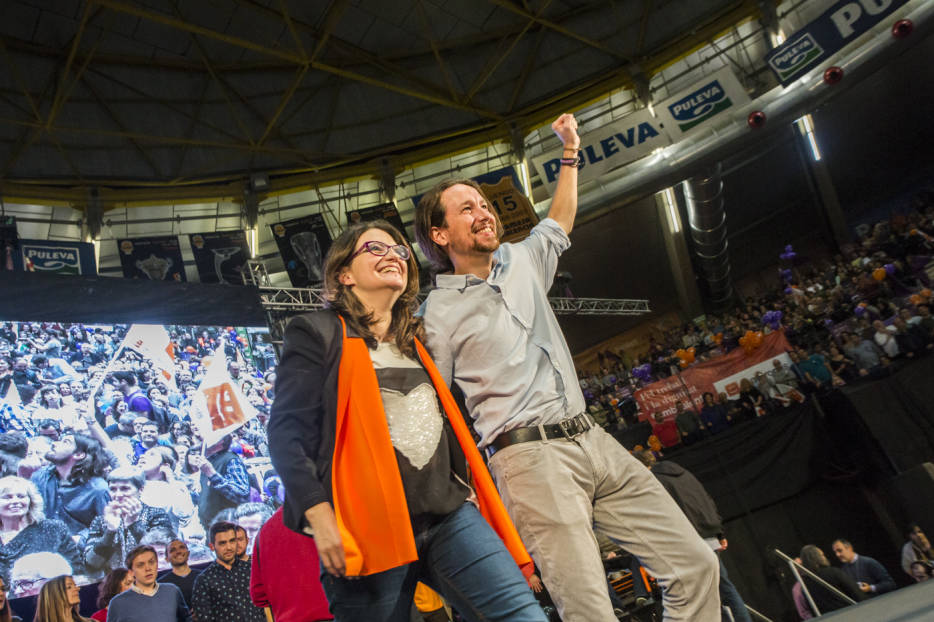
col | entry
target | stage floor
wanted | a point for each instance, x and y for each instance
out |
(908, 604)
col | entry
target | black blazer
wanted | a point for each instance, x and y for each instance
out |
(303, 419)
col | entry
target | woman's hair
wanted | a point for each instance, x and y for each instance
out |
(52, 603)
(130, 474)
(46, 390)
(110, 586)
(36, 504)
(812, 558)
(404, 326)
(745, 384)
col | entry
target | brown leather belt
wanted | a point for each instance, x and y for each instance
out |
(563, 429)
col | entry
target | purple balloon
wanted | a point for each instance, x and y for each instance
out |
(859, 310)
(786, 274)
(828, 322)
(788, 290)
(890, 269)
(788, 248)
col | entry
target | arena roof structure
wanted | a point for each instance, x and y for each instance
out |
(166, 100)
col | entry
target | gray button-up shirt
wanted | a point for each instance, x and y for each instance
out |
(499, 340)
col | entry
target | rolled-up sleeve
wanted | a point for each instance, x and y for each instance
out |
(545, 244)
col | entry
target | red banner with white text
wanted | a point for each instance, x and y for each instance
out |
(699, 378)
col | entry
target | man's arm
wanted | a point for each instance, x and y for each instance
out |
(880, 579)
(564, 203)
(234, 483)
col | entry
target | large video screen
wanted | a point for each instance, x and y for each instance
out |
(125, 434)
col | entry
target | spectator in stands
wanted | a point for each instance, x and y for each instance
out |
(292, 597)
(124, 427)
(128, 384)
(222, 590)
(24, 528)
(181, 575)
(689, 427)
(885, 338)
(666, 431)
(59, 600)
(714, 417)
(865, 353)
(148, 438)
(918, 548)
(814, 560)
(164, 490)
(72, 488)
(921, 571)
(751, 400)
(251, 517)
(870, 576)
(53, 369)
(910, 339)
(13, 449)
(842, 366)
(24, 377)
(816, 370)
(117, 581)
(123, 522)
(6, 612)
(52, 407)
(225, 482)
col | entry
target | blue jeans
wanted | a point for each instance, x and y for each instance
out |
(729, 596)
(461, 558)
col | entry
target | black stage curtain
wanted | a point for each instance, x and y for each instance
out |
(62, 298)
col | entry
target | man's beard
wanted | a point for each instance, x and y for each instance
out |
(485, 247)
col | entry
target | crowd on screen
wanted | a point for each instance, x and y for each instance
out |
(84, 478)
(847, 318)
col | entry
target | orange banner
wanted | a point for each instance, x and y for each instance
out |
(699, 378)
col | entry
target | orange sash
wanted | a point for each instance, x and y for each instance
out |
(369, 500)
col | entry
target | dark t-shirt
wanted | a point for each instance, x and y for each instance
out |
(421, 436)
(186, 584)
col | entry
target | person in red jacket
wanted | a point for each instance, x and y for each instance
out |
(293, 596)
(666, 431)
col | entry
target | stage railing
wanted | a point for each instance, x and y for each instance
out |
(796, 568)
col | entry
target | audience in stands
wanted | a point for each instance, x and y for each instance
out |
(917, 549)
(826, 599)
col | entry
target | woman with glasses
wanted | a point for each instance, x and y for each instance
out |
(374, 453)
(58, 601)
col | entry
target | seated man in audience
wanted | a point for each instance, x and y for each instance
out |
(871, 578)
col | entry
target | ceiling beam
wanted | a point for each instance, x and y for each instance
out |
(597, 45)
(433, 43)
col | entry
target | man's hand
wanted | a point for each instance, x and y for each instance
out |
(327, 538)
(113, 515)
(201, 463)
(864, 587)
(565, 127)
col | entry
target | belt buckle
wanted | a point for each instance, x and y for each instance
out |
(569, 427)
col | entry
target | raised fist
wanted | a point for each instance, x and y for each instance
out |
(565, 127)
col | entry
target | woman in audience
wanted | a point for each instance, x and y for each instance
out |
(58, 601)
(713, 416)
(117, 581)
(24, 529)
(6, 613)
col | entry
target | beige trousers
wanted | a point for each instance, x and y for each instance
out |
(558, 491)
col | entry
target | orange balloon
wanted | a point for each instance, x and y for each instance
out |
(718, 338)
(915, 299)
(925, 293)
(683, 363)
(879, 274)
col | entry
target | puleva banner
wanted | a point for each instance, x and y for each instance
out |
(830, 32)
(220, 256)
(54, 256)
(504, 191)
(703, 101)
(156, 259)
(606, 148)
(303, 243)
(709, 376)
